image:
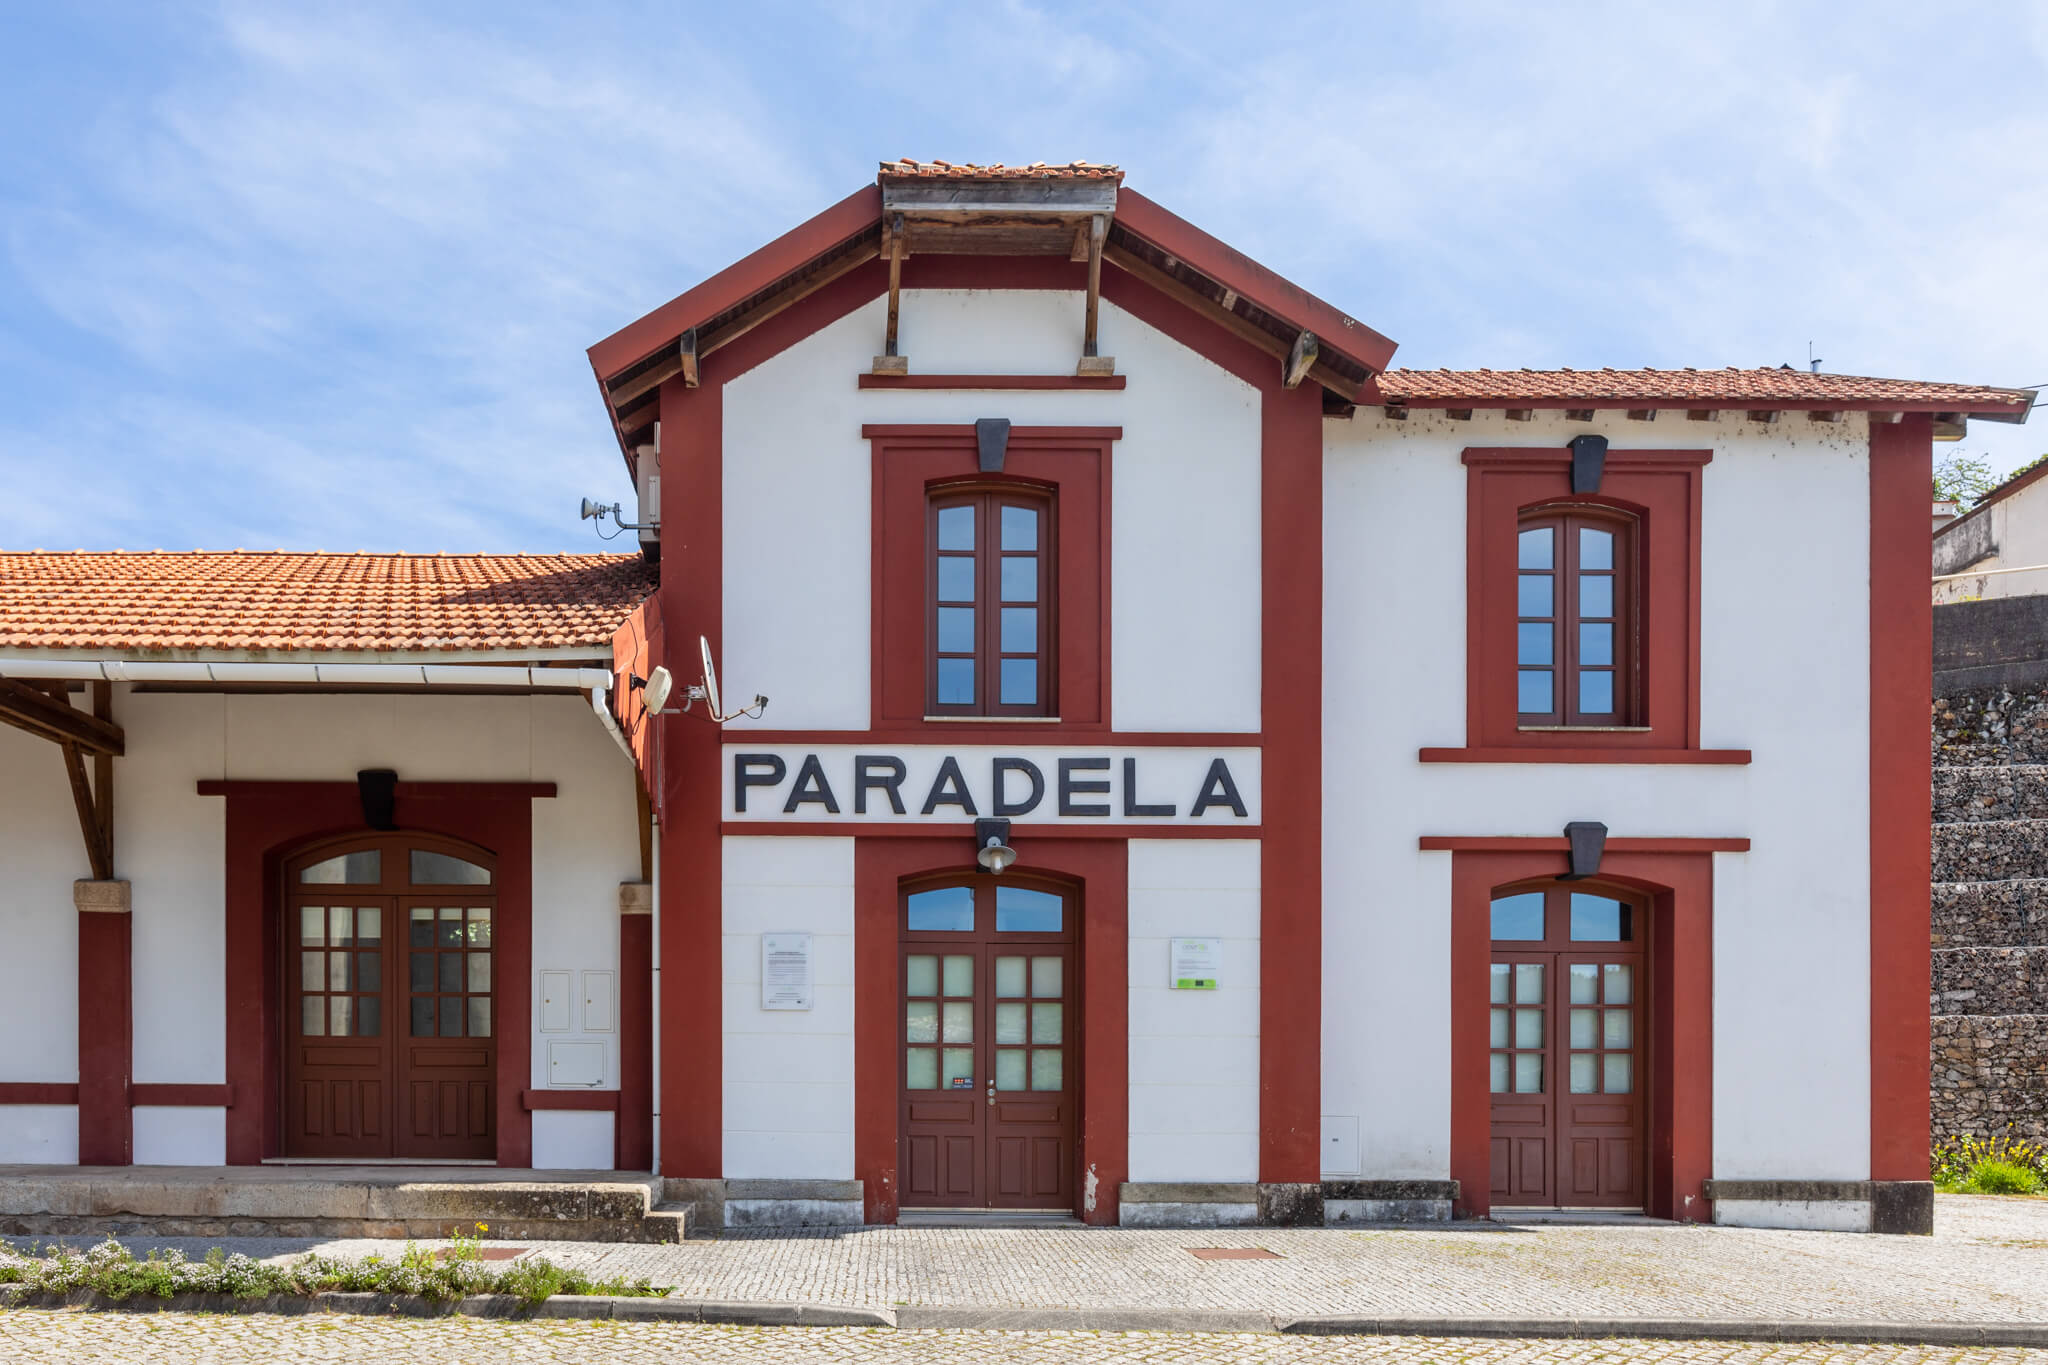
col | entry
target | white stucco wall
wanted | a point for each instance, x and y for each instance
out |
(169, 846)
(787, 1075)
(2014, 530)
(1785, 675)
(1194, 1055)
(798, 483)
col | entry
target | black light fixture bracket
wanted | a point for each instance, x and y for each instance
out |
(377, 790)
(1589, 460)
(1588, 839)
(992, 442)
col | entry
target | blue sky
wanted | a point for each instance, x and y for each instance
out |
(322, 276)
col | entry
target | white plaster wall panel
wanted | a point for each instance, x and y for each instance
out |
(39, 1134)
(287, 737)
(1386, 907)
(1193, 1058)
(787, 1088)
(585, 842)
(41, 854)
(169, 844)
(570, 1140)
(1811, 1215)
(1185, 478)
(180, 1136)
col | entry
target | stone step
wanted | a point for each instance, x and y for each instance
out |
(1991, 851)
(1991, 1076)
(327, 1201)
(2010, 914)
(1990, 981)
(1972, 793)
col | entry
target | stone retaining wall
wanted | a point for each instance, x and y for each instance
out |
(1989, 914)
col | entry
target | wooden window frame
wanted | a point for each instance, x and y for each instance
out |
(1072, 466)
(988, 554)
(1661, 491)
(1564, 520)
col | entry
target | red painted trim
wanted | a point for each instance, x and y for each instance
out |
(1291, 853)
(1020, 734)
(1176, 236)
(587, 1101)
(861, 829)
(1103, 871)
(1729, 406)
(737, 282)
(1485, 843)
(106, 1038)
(994, 272)
(1662, 488)
(38, 1092)
(1901, 783)
(950, 434)
(690, 1085)
(419, 791)
(1681, 1081)
(992, 381)
(634, 1135)
(266, 823)
(201, 1096)
(1503, 755)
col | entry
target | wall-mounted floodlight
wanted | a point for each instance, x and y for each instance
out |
(598, 511)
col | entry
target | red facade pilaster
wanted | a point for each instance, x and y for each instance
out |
(106, 1033)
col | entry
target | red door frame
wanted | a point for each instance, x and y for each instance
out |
(268, 822)
(1099, 868)
(1680, 1060)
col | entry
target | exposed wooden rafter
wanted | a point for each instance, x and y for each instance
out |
(1232, 322)
(1092, 361)
(1519, 414)
(893, 250)
(1578, 414)
(30, 708)
(1642, 414)
(1764, 415)
(97, 852)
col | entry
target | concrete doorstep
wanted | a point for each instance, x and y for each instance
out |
(755, 1313)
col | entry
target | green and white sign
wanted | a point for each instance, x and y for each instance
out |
(1195, 964)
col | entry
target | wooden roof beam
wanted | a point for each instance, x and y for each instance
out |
(30, 708)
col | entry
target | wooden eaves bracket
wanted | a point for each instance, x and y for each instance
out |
(895, 248)
(52, 716)
(1091, 362)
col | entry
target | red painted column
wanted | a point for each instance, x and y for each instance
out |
(692, 997)
(1901, 786)
(106, 1032)
(635, 1136)
(1291, 854)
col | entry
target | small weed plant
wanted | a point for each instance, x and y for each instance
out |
(1993, 1165)
(452, 1273)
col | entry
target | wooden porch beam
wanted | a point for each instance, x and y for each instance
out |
(103, 774)
(36, 711)
(88, 816)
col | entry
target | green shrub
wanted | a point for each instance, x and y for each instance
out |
(2002, 1177)
(1955, 1161)
(111, 1269)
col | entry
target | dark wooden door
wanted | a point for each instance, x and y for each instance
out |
(338, 1073)
(1566, 1029)
(390, 1001)
(989, 1086)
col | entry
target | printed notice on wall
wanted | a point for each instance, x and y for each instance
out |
(785, 971)
(1194, 966)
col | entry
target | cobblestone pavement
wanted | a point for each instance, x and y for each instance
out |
(30, 1337)
(1987, 1262)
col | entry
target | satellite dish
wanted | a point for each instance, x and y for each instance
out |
(655, 693)
(710, 680)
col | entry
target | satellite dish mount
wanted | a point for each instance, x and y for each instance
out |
(707, 692)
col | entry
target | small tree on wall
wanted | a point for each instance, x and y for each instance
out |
(1963, 478)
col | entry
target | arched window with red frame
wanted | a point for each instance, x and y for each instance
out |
(990, 599)
(1577, 595)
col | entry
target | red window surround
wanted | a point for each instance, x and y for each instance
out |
(1659, 490)
(1072, 466)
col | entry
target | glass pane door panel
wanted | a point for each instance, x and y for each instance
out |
(958, 1023)
(1585, 1075)
(1047, 1022)
(958, 1068)
(922, 1069)
(1585, 1028)
(1528, 1073)
(1528, 983)
(1498, 1033)
(1617, 1068)
(1618, 1028)
(1497, 983)
(1528, 1028)
(1010, 1069)
(1010, 1024)
(1585, 983)
(921, 1021)
(1047, 1069)
(921, 975)
(959, 975)
(1009, 978)
(1500, 1073)
(1045, 977)
(1618, 981)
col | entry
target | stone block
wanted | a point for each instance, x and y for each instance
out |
(1288, 1204)
(104, 898)
(794, 1213)
(1165, 1214)
(1903, 1207)
(1337, 1211)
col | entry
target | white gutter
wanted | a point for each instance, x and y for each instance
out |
(598, 681)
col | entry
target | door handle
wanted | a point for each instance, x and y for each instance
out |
(991, 1092)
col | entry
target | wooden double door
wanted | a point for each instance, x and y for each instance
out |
(390, 1045)
(1566, 1033)
(989, 1082)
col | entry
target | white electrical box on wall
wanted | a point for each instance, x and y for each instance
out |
(598, 992)
(1340, 1144)
(555, 1009)
(572, 1064)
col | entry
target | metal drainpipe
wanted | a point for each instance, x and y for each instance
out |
(598, 681)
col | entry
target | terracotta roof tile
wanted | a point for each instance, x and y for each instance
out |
(909, 168)
(287, 601)
(1731, 387)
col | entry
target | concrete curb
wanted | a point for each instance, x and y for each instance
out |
(758, 1313)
